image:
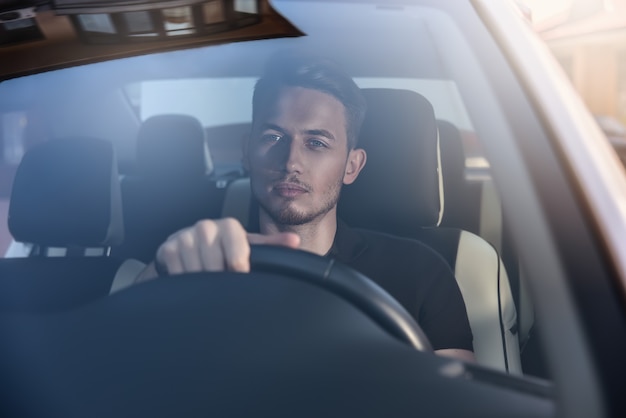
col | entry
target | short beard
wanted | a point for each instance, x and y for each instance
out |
(290, 217)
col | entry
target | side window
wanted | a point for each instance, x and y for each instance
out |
(12, 127)
(19, 131)
(226, 122)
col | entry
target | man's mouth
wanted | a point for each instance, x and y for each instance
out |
(288, 189)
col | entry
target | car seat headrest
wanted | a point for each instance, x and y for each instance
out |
(66, 192)
(399, 187)
(452, 155)
(173, 146)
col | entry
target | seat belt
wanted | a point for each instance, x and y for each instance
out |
(526, 310)
(491, 215)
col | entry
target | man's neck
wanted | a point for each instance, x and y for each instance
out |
(316, 236)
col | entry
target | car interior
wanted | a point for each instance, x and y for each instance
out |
(173, 188)
(57, 283)
(46, 282)
(111, 158)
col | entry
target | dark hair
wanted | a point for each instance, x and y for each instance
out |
(300, 70)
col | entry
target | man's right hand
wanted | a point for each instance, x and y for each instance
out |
(215, 245)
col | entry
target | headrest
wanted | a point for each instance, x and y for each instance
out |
(173, 146)
(66, 192)
(399, 185)
(452, 155)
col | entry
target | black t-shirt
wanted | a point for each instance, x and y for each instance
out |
(412, 273)
(415, 275)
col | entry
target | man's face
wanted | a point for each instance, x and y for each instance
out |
(298, 156)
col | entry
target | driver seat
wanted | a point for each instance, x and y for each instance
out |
(401, 191)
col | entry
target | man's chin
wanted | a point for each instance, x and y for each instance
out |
(292, 213)
(291, 217)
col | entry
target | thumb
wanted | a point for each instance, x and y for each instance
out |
(286, 239)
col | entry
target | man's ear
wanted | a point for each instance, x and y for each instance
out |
(356, 161)
(245, 139)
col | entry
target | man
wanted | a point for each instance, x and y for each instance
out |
(301, 151)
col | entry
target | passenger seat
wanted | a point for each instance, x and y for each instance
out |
(66, 204)
(171, 188)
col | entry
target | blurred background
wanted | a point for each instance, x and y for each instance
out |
(588, 38)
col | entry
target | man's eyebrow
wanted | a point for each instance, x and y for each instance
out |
(320, 132)
(267, 125)
(314, 132)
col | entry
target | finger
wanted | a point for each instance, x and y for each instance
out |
(167, 256)
(160, 268)
(286, 239)
(189, 250)
(210, 252)
(235, 246)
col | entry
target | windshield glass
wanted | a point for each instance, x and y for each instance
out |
(214, 85)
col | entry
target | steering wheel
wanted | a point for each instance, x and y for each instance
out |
(345, 282)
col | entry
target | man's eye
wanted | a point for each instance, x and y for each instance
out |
(271, 138)
(316, 143)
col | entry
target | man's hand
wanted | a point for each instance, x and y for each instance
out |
(214, 245)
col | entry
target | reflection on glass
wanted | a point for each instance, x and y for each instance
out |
(143, 35)
(138, 22)
(100, 22)
(213, 12)
(246, 6)
(178, 21)
(19, 24)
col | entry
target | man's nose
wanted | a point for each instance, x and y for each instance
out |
(292, 157)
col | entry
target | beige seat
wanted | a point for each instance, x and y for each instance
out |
(474, 206)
